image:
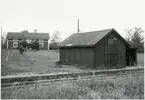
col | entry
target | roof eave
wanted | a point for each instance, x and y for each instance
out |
(77, 46)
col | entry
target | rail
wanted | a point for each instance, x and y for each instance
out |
(46, 78)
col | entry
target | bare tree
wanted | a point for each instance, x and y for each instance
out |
(55, 40)
(135, 37)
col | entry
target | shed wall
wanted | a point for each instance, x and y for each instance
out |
(121, 49)
(122, 54)
(101, 50)
(79, 56)
(103, 54)
(99, 55)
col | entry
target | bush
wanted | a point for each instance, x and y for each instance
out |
(53, 46)
(21, 49)
(35, 45)
(28, 45)
(24, 44)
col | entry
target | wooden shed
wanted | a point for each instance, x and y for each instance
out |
(96, 49)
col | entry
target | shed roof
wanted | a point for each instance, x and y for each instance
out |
(87, 38)
(27, 35)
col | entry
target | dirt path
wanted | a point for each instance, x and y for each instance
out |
(6, 67)
(4, 54)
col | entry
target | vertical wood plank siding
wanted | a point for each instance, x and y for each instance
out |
(80, 56)
(94, 57)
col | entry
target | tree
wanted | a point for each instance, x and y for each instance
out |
(24, 44)
(35, 45)
(135, 38)
(55, 40)
(55, 37)
(21, 49)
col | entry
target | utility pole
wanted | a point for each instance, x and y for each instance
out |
(78, 26)
(2, 38)
(1, 31)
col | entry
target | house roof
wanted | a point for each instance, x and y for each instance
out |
(27, 35)
(87, 38)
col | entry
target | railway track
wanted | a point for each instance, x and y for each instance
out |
(104, 76)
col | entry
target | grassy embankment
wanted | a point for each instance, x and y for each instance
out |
(122, 88)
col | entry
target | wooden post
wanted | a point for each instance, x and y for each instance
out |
(7, 44)
(48, 44)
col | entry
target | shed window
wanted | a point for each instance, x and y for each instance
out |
(110, 41)
(15, 44)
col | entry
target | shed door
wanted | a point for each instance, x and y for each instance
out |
(110, 52)
(131, 57)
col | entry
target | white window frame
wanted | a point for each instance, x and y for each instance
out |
(41, 40)
(28, 40)
(41, 43)
(15, 43)
(15, 39)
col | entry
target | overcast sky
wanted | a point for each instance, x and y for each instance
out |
(62, 15)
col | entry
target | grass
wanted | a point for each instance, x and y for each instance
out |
(40, 62)
(122, 88)
(6, 66)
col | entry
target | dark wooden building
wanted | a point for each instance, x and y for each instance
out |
(104, 48)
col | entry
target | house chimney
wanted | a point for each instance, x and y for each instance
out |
(35, 30)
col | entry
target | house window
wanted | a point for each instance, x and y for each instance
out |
(15, 39)
(41, 45)
(41, 40)
(19, 40)
(15, 44)
(28, 40)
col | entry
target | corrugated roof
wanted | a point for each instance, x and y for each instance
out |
(26, 35)
(87, 38)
